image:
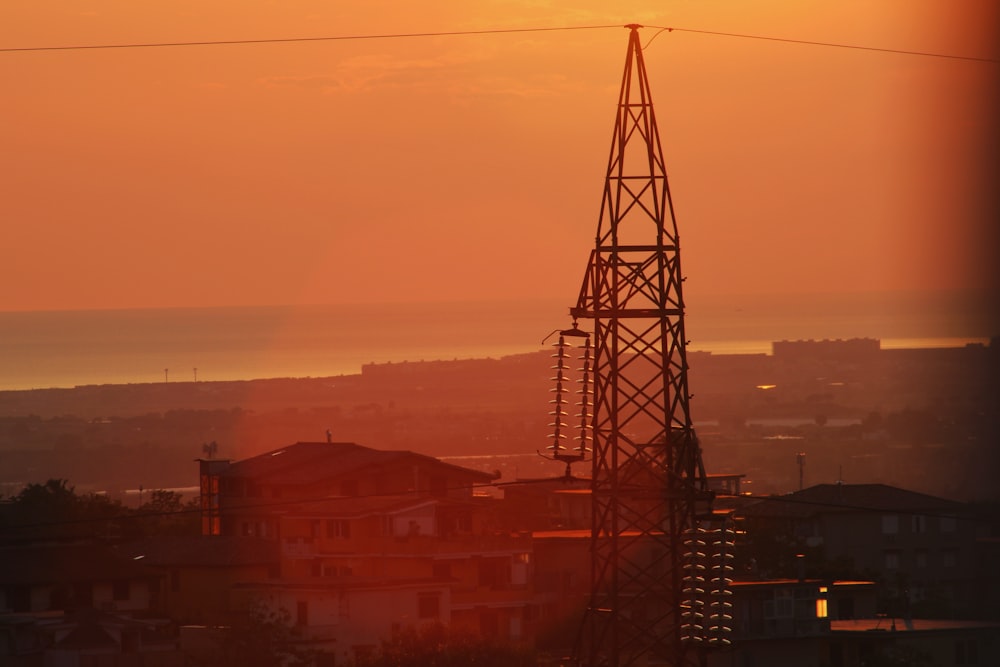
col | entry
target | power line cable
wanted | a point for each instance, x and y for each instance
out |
(289, 40)
(139, 515)
(836, 45)
(489, 31)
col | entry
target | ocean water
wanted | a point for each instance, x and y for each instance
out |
(70, 348)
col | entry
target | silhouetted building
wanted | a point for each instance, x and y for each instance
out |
(849, 350)
(920, 548)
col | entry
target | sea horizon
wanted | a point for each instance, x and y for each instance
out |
(63, 349)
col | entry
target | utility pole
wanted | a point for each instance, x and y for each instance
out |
(650, 597)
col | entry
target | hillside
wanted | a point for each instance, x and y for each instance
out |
(915, 418)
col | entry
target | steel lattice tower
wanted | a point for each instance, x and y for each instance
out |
(649, 486)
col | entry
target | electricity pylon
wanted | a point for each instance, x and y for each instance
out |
(650, 492)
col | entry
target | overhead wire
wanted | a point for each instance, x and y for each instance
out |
(857, 47)
(140, 515)
(289, 40)
(489, 31)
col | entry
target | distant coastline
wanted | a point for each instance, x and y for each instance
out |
(76, 348)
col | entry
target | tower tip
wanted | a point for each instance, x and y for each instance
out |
(633, 26)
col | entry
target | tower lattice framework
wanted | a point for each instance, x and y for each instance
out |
(649, 489)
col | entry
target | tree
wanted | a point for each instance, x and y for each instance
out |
(435, 645)
(261, 637)
(55, 510)
(166, 513)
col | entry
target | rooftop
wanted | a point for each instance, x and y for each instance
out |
(827, 498)
(306, 463)
(909, 625)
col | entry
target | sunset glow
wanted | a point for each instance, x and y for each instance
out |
(469, 167)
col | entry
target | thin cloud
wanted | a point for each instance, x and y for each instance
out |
(449, 74)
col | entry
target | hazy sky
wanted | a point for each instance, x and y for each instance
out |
(471, 167)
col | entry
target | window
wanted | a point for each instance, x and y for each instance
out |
(337, 571)
(948, 524)
(892, 560)
(442, 570)
(782, 606)
(822, 604)
(966, 652)
(120, 590)
(918, 523)
(845, 608)
(302, 613)
(949, 558)
(921, 558)
(338, 529)
(890, 524)
(428, 605)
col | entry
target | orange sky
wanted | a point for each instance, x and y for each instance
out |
(471, 167)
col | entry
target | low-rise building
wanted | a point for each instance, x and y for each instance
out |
(921, 549)
(371, 542)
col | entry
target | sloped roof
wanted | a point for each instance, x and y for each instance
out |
(90, 628)
(87, 636)
(829, 498)
(306, 463)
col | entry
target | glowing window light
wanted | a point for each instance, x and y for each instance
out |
(821, 610)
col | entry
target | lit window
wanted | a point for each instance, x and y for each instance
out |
(821, 608)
